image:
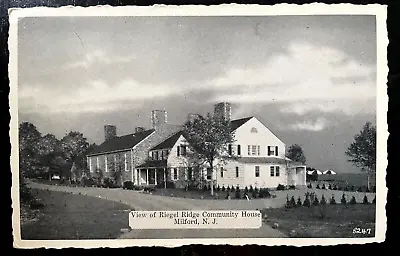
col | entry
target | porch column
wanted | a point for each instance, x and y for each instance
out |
(140, 176)
(147, 176)
(165, 179)
(155, 177)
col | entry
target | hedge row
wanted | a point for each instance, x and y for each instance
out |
(312, 199)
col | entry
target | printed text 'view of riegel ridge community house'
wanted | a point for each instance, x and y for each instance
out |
(160, 155)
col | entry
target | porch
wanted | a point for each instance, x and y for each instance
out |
(296, 175)
(152, 173)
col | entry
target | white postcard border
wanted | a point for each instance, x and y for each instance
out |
(217, 10)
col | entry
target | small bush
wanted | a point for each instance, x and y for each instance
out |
(223, 188)
(255, 193)
(218, 188)
(280, 187)
(228, 196)
(251, 189)
(316, 201)
(292, 187)
(343, 200)
(323, 186)
(365, 200)
(292, 202)
(287, 202)
(330, 186)
(246, 190)
(307, 202)
(264, 193)
(323, 200)
(237, 193)
(333, 201)
(353, 200)
(317, 187)
(128, 185)
(299, 203)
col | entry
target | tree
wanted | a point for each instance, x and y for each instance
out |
(362, 151)
(75, 145)
(50, 154)
(209, 138)
(295, 153)
(117, 169)
(28, 137)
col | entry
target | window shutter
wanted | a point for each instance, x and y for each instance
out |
(276, 150)
(238, 150)
(178, 150)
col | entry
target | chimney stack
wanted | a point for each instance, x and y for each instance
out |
(223, 110)
(158, 118)
(139, 129)
(110, 131)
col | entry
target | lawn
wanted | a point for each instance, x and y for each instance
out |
(329, 221)
(69, 216)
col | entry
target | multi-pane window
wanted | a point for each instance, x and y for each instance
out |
(272, 171)
(257, 171)
(253, 150)
(222, 172)
(277, 171)
(175, 173)
(237, 172)
(183, 150)
(209, 173)
(178, 151)
(272, 151)
(190, 173)
(230, 149)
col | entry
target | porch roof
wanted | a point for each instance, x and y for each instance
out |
(153, 164)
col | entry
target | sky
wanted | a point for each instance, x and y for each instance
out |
(310, 79)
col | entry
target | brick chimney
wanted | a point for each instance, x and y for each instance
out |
(223, 110)
(158, 118)
(110, 131)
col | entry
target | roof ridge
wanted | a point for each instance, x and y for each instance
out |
(169, 137)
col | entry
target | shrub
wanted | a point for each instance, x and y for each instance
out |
(352, 188)
(255, 192)
(292, 187)
(333, 201)
(218, 188)
(316, 201)
(245, 195)
(128, 185)
(251, 189)
(205, 188)
(346, 188)
(228, 196)
(264, 193)
(323, 200)
(299, 203)
(353, 200)
(223, 188)
(280, 187)
(237, 193)
(246, 190)
(360, 189)
(338, 188)
(317, 187)
(292, 202)
(307, 202)
(330, 186)
(343, 200)
(287, 201)
(323, 186)
(365, 200)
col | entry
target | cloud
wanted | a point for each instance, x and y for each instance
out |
(98, 56)
(306, 73)
(317, 125)
(95, 96)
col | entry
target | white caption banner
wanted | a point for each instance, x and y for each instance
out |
(188, 219)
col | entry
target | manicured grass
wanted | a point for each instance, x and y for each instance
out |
(324, 221)
(69, 216)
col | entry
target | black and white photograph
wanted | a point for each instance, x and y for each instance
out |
(250, 124)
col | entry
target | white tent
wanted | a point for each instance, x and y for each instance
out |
(310, 172)
(329, 172)
(318, 172)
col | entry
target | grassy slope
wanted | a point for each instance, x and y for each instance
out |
(68, 216)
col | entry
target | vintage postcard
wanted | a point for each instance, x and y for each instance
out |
(176, 125)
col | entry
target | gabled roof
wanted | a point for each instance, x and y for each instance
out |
(121, 142)
(239, 122)
(169, 142)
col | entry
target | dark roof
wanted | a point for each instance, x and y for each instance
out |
(169, 142)
(153, 163)
(239, 122)
(121, 142)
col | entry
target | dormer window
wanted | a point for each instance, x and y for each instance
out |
(254, 130)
